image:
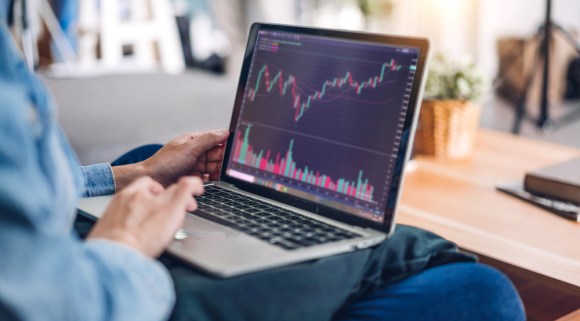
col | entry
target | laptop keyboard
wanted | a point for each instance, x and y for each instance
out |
(278, 226)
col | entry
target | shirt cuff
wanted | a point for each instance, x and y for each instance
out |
(99, 180)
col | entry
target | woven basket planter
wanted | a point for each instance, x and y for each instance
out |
(447, 129)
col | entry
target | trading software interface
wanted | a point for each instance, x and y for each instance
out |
(322, 119)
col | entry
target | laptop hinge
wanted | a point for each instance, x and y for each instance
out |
(223, 184)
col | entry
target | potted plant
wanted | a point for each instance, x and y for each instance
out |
(449, 115)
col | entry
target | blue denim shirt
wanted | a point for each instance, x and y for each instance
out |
(46, 272)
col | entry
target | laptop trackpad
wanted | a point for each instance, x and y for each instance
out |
(211, 246)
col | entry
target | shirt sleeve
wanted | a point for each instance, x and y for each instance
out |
(46, 271)
(98, 180)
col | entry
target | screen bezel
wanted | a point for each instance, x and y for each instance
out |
(410, 121)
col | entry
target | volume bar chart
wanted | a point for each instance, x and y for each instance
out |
(284, 165)
(300, 103)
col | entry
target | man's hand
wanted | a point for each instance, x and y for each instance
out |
(145, 216)
(198, 154)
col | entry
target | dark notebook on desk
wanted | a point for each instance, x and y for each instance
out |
(561, 181)
(555, 188)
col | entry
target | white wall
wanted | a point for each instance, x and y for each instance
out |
(517, 18)
(458, 28)
(449, 24)
(472, 27)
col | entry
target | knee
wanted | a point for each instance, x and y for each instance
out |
(136, 155)
(479, 292)
(460, 291)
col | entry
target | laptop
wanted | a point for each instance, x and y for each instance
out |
(322, 127)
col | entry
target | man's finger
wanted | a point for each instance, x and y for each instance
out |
(215, 154)
(155, 187)
(213, 167)
(214, 176)
(206, 167)
(207, 140)
(144, 182)
(202, 157)
(180, 194)
(199, 167)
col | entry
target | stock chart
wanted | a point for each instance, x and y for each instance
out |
(324, 115)
(283, 163)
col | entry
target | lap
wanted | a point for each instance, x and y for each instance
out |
(313, 290)
(386, 282)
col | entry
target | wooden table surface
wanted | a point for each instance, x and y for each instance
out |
(458, 201)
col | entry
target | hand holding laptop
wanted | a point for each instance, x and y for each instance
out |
(198, 154)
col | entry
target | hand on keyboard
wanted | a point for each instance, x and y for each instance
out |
(145, 215)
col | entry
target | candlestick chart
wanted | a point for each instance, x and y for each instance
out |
(342, 104)
(299, 104)
(324, 116)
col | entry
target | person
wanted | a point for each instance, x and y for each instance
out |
(49, 273)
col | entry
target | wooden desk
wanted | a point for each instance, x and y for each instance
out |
(458, 201)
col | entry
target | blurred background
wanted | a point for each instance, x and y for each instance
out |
(130, 72)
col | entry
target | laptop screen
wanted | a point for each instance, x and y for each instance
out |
(323, 119)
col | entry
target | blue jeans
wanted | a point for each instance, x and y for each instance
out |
(404, 278)
(460, 291)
